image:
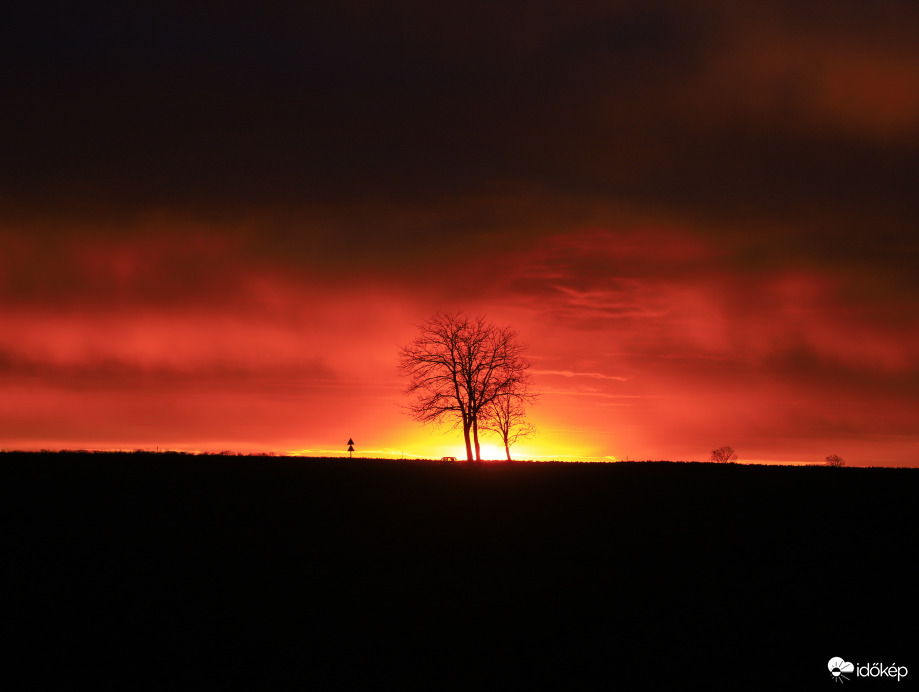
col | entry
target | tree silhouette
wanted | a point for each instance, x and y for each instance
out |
(723, 455)
(506, 416)
(835, 460)
(458, 366)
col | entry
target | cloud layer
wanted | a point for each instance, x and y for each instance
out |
(219, 225)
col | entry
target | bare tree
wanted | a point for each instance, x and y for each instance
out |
(458, 366)
(835, 460)
(506, 416)
(723, 455)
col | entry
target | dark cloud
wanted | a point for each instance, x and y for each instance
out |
(724, 114)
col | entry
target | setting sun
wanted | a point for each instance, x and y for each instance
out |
(491, 452)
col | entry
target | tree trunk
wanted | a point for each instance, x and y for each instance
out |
(475, 432)
(507, 449)
(468, 443)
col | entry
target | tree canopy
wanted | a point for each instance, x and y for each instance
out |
(724, 455)
(459, 366)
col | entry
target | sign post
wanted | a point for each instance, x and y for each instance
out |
(350, 447)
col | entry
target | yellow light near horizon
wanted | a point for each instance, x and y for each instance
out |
(547, 444)
(489, 451)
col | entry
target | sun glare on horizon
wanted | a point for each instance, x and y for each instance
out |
(489, 452)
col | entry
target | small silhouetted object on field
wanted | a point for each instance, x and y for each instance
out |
(724, 455)
(835, 460)
(350, 447)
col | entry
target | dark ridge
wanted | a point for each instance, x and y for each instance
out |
(145, 570)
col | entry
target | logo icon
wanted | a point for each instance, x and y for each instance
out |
(837, 667)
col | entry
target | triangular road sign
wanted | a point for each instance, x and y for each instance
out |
(350, 441)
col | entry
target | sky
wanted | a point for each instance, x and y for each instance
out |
(220, 222)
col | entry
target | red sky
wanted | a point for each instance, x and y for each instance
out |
(218, 227)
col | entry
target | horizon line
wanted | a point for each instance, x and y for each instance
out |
(330, 454)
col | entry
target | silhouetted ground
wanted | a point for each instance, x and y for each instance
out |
(129, 571)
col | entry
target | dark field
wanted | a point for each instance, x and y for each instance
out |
(129, 571)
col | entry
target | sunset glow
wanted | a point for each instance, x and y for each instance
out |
(703, 230)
